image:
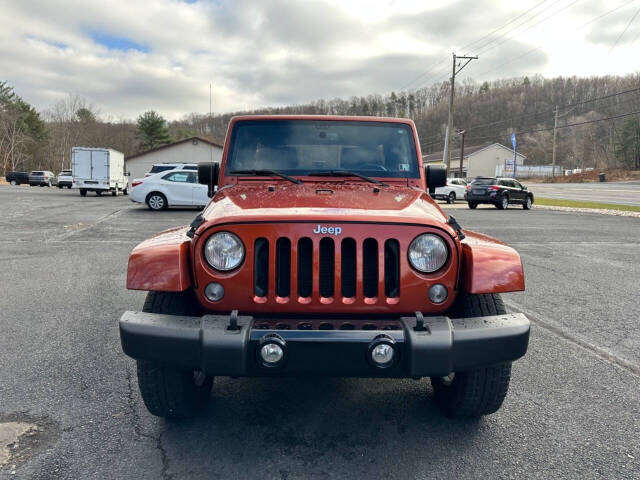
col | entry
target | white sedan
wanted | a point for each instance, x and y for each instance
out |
(167, 189)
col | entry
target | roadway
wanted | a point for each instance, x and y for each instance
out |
(573, 409)
(624, 193)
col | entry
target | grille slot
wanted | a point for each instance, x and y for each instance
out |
(283, 267)
(370, 268)
(305, 267)
(327, 267)
(391, 268)
(261, 267)
(348, 268)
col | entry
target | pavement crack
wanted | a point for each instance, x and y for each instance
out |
(576, 340)
(137, 428)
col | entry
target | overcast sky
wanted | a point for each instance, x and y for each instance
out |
(128, 56)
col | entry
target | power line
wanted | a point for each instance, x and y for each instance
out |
(625, 30)
(473, 127)
(518, 26)
(564, 126)
(528, 52)
(464, 47)
(508, 23)
(529, 27)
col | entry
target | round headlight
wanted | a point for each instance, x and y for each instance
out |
(224, 251)
(427, 253)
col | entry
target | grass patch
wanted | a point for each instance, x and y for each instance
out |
(556, 202)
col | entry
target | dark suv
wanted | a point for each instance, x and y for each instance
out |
(17, 178)
(499, 191)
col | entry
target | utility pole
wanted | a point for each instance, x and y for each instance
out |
(461, 133)
(553, 155)
(454, 71)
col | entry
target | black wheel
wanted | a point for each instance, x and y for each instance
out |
(451, 198)
(169, 391)
(504, 203)
(83, 192)
(69, 187)
(478, 392)
(13, 182)
(59, 186)
(115, 192)
(527, 203)
(472, 205)
(156, 201)
(98, 192)
(125, 191)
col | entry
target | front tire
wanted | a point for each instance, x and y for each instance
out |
(472, 205)
(451, 198)
(13, 183)
(481, 391)
(169, 391)
(527, 203)
(83, 192)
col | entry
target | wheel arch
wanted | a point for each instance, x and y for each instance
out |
(490, 266)
(161, 263)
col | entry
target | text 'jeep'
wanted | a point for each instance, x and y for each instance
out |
(322, 253)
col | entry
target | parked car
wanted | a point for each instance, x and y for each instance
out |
(17, 178)
(452, 191)
(44, 178)
(163, 167)
(65, 179)
(340, 266)
(500, 192)
(170, 188)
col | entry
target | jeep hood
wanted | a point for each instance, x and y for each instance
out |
(323, 202)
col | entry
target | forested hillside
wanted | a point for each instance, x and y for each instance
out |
(488, 112)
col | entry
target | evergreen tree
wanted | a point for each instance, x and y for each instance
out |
(152, 130)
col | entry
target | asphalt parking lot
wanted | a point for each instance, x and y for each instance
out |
(573, 410)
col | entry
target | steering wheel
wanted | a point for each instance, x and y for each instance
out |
(372, 166)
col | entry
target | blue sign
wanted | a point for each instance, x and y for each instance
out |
(513, 140)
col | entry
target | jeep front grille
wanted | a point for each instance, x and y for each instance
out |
(330, 272)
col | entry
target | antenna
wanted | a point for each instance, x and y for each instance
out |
(210, 133)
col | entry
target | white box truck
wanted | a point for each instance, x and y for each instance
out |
(98, 170)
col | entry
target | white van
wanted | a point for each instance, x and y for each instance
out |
(98, 170)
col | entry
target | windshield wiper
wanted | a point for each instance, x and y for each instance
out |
(345, 173)
(266, 173)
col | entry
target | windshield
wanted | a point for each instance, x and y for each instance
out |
(484, 181)
(162, 168)
(300, 147)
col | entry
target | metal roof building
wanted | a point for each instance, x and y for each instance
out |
(478, 161)
(188, 150)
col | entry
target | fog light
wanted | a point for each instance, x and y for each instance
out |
(438, 293)
(382, 354)
(271, 353)
(214, 292)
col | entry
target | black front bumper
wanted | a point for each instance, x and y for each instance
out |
(209, 344)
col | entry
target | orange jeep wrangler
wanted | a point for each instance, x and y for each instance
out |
(322, 253)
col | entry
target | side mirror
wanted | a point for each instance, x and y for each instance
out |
(436, 176)
(208, 174)
(524, 187)
(127, 174)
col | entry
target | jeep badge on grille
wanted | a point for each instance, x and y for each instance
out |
(330, 230)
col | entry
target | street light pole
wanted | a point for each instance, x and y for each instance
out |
(461, 133)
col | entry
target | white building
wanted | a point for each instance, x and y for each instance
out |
(478, 161)
(188, 150)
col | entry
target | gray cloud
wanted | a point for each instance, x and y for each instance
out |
(259, 53)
